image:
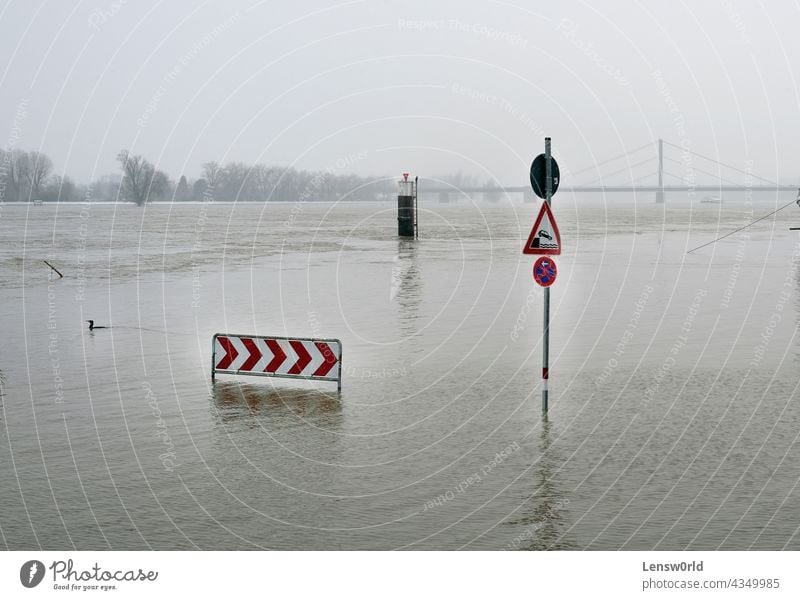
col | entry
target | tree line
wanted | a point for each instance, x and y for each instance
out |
(28, 177)
(24, 175)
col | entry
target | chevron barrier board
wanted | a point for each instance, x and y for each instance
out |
(270, 356)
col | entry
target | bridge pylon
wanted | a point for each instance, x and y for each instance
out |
(660, 191)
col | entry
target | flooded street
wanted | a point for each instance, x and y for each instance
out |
(673, 419)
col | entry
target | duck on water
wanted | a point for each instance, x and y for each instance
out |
(92, 326)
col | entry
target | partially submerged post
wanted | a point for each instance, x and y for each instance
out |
(545, 239)
(54, 269)
(548, 182)
(407, 208)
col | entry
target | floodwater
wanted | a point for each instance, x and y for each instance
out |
(674, 415)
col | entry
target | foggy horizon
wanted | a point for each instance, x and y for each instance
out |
(379, 88)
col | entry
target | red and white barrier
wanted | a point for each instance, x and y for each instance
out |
(300, 358)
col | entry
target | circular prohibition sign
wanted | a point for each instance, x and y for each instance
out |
(544, 271)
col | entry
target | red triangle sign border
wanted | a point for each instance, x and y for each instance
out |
(529, 248)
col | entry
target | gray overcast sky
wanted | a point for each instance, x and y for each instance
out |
(383, 87)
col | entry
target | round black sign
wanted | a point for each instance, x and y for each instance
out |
(538, 170)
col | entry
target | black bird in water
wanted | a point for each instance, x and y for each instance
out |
(92, 326)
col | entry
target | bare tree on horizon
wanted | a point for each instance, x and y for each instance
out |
(211, 172)
(140, 180)
(38, 169)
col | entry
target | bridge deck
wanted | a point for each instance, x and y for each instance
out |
(616, 188)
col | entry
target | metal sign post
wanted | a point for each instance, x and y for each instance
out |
(548, 182)
(545, 239)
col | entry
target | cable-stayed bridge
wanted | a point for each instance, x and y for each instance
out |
(649, 168)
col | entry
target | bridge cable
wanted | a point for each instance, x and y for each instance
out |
(719, 163)
(639, 180)
(627, 168)
(717, 175)
(613, 158)
(679, 178)
(746, 226)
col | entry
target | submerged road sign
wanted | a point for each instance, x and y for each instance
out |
(539, 176)
(298, 358)
(544, 271)
(544, 237)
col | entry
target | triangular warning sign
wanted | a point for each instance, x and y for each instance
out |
(544, 237)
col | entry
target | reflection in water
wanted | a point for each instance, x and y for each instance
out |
(545, 516)
(245, 403)
(796, 275)
(406, 287)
